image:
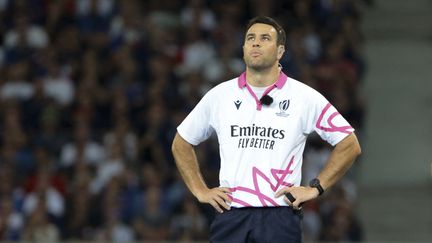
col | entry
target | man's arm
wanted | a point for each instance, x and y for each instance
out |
(340, 160)
(187, 164)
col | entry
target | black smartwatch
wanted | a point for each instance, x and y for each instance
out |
(316, 184)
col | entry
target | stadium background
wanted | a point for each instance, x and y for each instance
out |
(92, 91)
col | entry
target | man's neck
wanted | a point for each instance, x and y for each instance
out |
(262, 78)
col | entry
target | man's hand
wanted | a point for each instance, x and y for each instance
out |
(187, 163)
(217, 197)
(300, 193)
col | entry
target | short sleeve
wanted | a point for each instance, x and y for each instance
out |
(323, 118)
(196, 127)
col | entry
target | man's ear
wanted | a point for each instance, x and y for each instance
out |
(281, 50)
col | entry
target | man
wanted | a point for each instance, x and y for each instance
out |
(262, 120)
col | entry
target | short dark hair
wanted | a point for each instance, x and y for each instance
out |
(281, 36)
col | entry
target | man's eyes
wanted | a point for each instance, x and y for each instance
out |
(251, 38)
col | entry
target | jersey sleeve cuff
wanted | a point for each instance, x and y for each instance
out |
(187, 137)
(339, 138)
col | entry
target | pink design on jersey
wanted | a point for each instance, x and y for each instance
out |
(332, 128)
(241, 202)
(257, 192)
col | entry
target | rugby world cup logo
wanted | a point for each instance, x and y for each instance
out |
(283, 107)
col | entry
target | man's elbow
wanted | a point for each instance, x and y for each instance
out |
(355, 146)
(357, 149)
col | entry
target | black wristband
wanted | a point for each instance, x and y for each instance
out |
(317, 184)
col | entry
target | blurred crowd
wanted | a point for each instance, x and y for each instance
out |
(91, 92)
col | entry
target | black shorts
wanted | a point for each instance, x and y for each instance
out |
(260, 225)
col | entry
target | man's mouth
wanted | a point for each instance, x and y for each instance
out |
(256, 54)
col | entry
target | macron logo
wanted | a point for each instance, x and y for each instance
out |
(237, 103)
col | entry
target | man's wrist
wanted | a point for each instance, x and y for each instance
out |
(200, 193)
(314, 192)
(315, 183)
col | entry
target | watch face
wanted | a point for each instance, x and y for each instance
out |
(314, 182)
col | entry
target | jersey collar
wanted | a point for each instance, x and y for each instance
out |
(278, 84)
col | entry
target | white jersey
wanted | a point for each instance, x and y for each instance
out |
(261, 146)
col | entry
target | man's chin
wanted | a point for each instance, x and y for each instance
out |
(258, 64)
(258, 67)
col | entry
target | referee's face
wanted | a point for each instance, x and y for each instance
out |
(260, 47)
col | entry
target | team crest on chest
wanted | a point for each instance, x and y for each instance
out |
(283, 107)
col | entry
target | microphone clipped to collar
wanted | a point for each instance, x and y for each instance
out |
(266, 100)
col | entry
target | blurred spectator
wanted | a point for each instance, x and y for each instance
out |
(57, 85)
(128, 25)
(226, 65)
(125, 138)
(94, 19)
(17, 85)
(11, 220)
(53, 203)
(152, 224)
(82, 148)
(195, 12)
(114, 230)
(39, 228)
(155, 134)
(189, 224)
(109, 168)
(25, 34)
(81, 209)
(340, 223)
(197, 52)
(193, 88)
(48, 127)
(16, 150)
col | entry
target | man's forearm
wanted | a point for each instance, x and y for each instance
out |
(340, 160)
(187, 164)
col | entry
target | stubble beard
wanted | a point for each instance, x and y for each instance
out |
(258, 65)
